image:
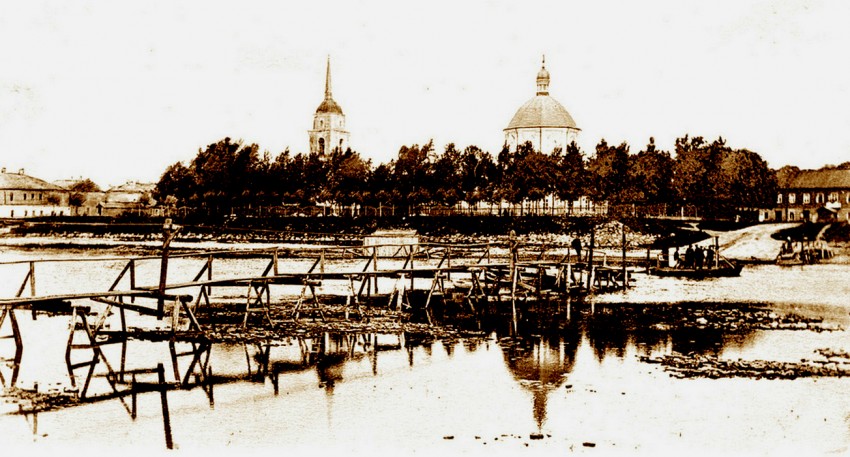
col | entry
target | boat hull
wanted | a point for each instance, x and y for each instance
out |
(691, 273)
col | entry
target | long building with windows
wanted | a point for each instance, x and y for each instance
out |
(813, 196)
(23, 196)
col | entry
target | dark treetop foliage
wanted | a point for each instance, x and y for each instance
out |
(711, 176)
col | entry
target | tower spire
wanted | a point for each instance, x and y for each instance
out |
(543, 79)
(328, 79)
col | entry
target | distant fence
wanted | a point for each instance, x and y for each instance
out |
(260, 212)
(604, 209)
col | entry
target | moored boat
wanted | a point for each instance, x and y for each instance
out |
(726, 270)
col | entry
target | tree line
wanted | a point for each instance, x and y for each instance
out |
(710, 176)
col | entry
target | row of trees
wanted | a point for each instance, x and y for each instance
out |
(709, 175)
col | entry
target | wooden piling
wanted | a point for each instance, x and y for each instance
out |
(163, 396)
(134, 401)
(169, 231)
(590, 258)
(625, 273)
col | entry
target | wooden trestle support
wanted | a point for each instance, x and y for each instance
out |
(485, 281)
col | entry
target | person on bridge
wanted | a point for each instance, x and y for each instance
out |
(709, 257)
(699, 257)
(689, 257)
(576, 244)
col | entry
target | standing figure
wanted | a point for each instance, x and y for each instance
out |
(699, 257)
(709, 257)
(677, 260)
(689, 257)
(576, 244)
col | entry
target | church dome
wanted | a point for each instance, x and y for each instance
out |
(541, 111)
(328, 105)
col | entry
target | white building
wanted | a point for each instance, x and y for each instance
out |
(541, 121)
(25, 196)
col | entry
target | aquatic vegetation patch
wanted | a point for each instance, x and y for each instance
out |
(834, 363)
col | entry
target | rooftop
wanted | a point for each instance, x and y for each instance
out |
(821, 179)
(20, 181)
(541, 111)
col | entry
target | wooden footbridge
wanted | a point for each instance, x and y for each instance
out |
(412, 277)
(278, 288)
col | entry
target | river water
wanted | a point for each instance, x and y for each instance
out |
(558, 387)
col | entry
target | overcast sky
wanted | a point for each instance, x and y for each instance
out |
(117, 91)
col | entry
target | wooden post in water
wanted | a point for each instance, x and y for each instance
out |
(716, 252)
(625, 272)
(375, 267)
(514, 253)
(169, 230)
(132, 280)
(134, 409)
(32, 286)
(590, 258)
(163, 396)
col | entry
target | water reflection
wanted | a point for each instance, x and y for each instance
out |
(540, 357)
(542, 354)
(540, 364)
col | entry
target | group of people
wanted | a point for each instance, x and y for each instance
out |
(805, 251)
(695, 258)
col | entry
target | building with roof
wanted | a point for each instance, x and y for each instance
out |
(328, 131)
(812, 196)
(23, 196)
(130, 197)
(542, 120)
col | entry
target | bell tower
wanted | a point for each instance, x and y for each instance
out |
(328, 133)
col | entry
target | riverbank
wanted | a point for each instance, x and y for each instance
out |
(750, 244)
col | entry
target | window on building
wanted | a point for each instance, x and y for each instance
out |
(779, 199)
(792, 198)
(11, 196)
(819, 198)
(833, 196)
(25, 196)
(807, 199)
(791, 215)
(847, 197)
(321, 145)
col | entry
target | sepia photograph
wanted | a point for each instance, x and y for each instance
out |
(486, 227)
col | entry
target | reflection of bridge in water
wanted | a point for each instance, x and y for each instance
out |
(187, 365)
